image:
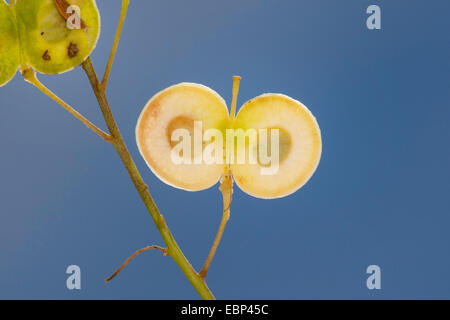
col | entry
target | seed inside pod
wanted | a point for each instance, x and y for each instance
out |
(62, 6)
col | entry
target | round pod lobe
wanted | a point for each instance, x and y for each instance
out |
(179, 114)
(50, 45)
(300, 146)
(9, 44)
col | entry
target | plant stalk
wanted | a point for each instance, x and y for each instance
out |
(30, 76)
(112, 56)
(226, 187)
(173, 249)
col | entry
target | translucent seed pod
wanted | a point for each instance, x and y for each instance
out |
(57, 35)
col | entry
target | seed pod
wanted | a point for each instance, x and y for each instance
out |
(9, 44)
(273, 145)
(299, 146)
(190, 108)
(57, 35)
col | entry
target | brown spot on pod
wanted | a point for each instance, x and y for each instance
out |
(46, 56)
(72, 50)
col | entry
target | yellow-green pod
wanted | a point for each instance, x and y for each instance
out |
(57, 35)
(9, 44)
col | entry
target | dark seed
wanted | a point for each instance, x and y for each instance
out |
(42, 33)
(46, 56)
(72, 51)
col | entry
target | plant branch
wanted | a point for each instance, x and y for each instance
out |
(236, 82)
(226, 187)
(123, 14)
(163, 250)
(30, 76)
(173, 250)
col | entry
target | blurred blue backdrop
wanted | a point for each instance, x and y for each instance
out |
(380, 195)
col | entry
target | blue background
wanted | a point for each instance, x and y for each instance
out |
(380, 195)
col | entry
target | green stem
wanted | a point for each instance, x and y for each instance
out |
(226, 187)
(173, 249)
(123, 14)
(30, 76)
(236, 82)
